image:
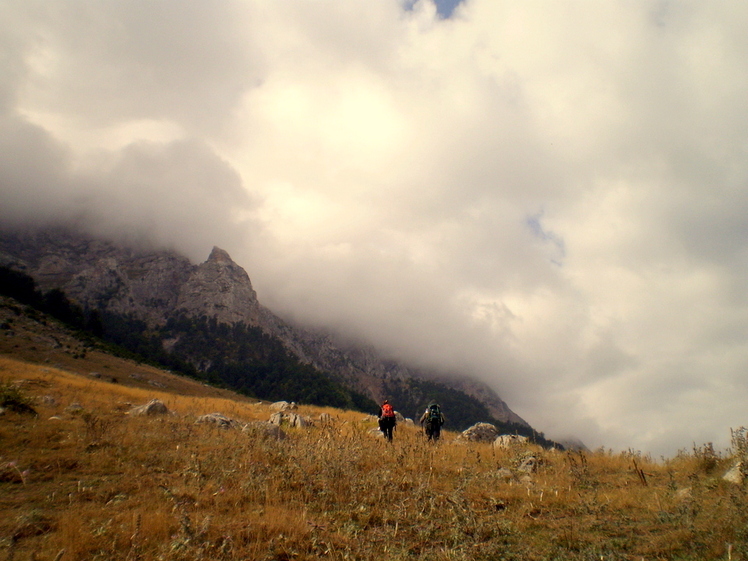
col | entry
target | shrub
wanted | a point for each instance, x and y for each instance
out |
(11, 397)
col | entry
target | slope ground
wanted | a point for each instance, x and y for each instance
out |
(92, 482)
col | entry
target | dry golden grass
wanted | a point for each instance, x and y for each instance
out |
(100, 484)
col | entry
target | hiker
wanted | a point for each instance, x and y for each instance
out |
(432, 421)
(387, 419)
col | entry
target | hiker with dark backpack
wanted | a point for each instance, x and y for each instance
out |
(387, 419)
(432, 421)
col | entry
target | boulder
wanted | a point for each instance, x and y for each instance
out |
(153, 407)
(735, 474)
(528, 465)
(74, 408)
(283, 406)
(290, 419)
(509, 441)
(264, 430)
(376, 433)
(479, 432)
(217, 419)
(504, 474)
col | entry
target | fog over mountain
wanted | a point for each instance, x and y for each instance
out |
(549, 196)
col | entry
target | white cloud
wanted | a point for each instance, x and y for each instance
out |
(549, 196)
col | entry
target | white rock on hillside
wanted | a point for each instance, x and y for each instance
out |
(479, 432)
(509, 440)
(283, 406)
(217, 419)
(153, 407)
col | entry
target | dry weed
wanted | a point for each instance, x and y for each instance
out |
(104, 485)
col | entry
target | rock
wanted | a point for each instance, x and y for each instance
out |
(153, 407)
(504, 474)
(479, 432)
(509, 440)
(528, 465)
(735, 474)
(220, 288)
(218, 419)
(326, 419)
(684, 494)
(283, 406)
(74, 408)
(290, 419)
(375, 432)
(264, 430)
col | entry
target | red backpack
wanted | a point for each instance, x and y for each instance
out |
(387, 410)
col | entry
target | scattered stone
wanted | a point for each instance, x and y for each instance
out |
(74, 408)
(283, 406)
(370, 419)
(94, 374)
(326, 419)
(49, 400)
(55, 418)
(265, 430)
(153, 407)
(217, 419)
(157, 384)
(528, 465)
(375, 432)
(504, 474)
(684, 494)
(290, 419)
(735, 474)
(510, 440)
(479, 432)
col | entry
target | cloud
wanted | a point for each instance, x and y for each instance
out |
(550, 197)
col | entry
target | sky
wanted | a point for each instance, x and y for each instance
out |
(548, 196)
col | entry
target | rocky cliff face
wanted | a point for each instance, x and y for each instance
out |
(220, 288)
(155, 284)
(149, 283)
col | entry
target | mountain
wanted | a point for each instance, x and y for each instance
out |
(177, 308)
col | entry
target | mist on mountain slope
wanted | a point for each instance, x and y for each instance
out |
(550, 198)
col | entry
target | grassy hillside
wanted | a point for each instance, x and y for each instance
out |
(92, 482)
(238, 356)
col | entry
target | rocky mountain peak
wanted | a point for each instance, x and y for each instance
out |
(219, 255)
(220, 288)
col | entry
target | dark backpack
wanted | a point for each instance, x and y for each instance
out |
(435, 414)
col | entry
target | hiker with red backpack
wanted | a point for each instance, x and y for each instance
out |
(387, 419)
(432, 421)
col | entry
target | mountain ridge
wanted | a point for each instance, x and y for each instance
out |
(151, 284)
